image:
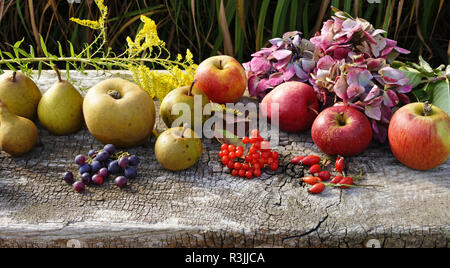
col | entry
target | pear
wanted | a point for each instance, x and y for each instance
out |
(183, 95)
(178, 148)
(18, 135)
(20, 94)
(60, 110)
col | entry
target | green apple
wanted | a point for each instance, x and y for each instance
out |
(194, 100)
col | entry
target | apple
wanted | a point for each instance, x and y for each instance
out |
(184, 95)
(342, 130)
(419, 135)
(298, 106)
(119, 112)
(222, 79)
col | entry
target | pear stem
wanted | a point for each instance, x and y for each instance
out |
(57, 73)
(190, 89)
(427, 108)
(14, 76)
(185, 127)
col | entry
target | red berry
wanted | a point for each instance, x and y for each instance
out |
(246, 167)
(221, 154)
(337, 180)
(235, 173)
(246, 140)
(232, 155)
(248, 174)
(274, 166)
(252, 150)
(256, 156)
(275, 155)
(346, 181)
(265, 155)
(242, 173)
(296, 160)
(256, 166)
(231, 148)
(79, 187)
(238, 166)
(340, 164)
(262, 162)
(317, 188)
(270, 161)
(311, 180)
(224, 147)
(240, 149)
(311, 160)
(248, 159)
(230, 164)
(315, 169)
(257, 172)
(225, 159)
(324, 175)
(239, 153)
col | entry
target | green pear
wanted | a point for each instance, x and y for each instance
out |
(178, 148)
(60, 110)
(18, 135)
(20, 94)
(183, 95)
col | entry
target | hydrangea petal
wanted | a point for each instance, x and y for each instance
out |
(281, 54)
(260, 64)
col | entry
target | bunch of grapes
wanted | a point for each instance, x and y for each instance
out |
(259, 156)
(97, 166)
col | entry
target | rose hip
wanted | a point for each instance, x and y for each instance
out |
(315, 169)
(346, 181)
(311, 160)
(296, 160)
(337, 180)
(324, 175)
(317, 188)
(340, 164)
(311, 180)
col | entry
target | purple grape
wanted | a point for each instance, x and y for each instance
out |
(80, 160)
(104, 173)
(110, 148)
(92, 153)
(86, 168)
(102, 156)
(114, 167)
(131, 173)
(68, 177)
(107, 162)
(134, 161)
(97, 179)
(79, 187)
(121, 181)
(96, 166)
(86, 178)
(123, 162)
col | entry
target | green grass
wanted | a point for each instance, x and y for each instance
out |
(248, 24)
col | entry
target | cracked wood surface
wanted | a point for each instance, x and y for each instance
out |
(206, 207)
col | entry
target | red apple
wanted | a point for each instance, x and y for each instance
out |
(222, 79)
(298, 106)
(342, 130)
(419, 135)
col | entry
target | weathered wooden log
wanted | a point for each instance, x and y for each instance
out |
(206, 207)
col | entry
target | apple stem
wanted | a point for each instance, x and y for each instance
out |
(14, 76)
(313, 110)
(220, 64)
(114, 94)
(190, 89)
(57, 73)
(341, 119)
(427, 108)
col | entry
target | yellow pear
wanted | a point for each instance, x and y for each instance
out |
(60, 109)
(18, 135)
(20, 93)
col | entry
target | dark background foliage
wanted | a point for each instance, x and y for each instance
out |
(210, 27)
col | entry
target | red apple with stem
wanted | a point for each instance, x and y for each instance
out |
(297, 104)
(222, 79)
(342, 130)
(419, 135)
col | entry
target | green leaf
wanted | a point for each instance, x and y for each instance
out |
(425, 65)
(441, 95)
(43, 46)
(39, 69)
(414, 76)
(61, 54)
